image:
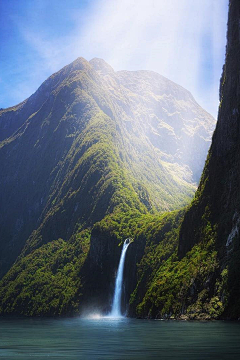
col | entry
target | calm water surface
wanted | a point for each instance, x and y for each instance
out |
(117, 339)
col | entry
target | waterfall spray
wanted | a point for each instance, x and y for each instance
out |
(116, 305)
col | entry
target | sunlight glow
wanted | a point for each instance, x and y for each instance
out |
(182, 40)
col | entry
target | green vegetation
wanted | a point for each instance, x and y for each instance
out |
(179, 288)
(47, 281)
(92, 168)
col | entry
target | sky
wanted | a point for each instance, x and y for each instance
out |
(183, 40)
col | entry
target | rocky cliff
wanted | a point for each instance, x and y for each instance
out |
(216, 202)
(201, 280)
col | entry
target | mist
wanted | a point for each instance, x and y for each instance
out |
(182, 40)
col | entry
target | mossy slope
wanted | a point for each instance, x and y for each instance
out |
(84, 144)
(85, 164)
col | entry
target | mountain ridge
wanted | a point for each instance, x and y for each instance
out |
(87, 154)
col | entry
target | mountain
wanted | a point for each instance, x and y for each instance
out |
(90, 140)
(216, 204)
(90, 158)
(201, 279)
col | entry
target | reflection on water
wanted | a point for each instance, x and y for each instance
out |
(108, 338)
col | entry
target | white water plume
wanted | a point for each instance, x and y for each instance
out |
(116, 306)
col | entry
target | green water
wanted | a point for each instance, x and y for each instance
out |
(117, 339)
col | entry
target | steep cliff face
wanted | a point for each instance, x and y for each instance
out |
(216, 203)
(100, 269)
(201, 280)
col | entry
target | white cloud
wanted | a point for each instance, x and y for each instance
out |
(177, 38)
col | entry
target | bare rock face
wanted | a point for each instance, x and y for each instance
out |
(100, 270)
(163, 113)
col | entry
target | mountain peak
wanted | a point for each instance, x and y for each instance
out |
(91, 149)
(100, 65)
(79, 64)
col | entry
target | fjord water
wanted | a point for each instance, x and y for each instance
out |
(106, 338)
(116, 306)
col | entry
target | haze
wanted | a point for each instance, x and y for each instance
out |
(182, 40)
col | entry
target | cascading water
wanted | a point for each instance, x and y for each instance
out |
(116, 305)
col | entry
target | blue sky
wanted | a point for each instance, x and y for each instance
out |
(183, 40)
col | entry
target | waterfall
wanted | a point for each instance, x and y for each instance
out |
(116, 305)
